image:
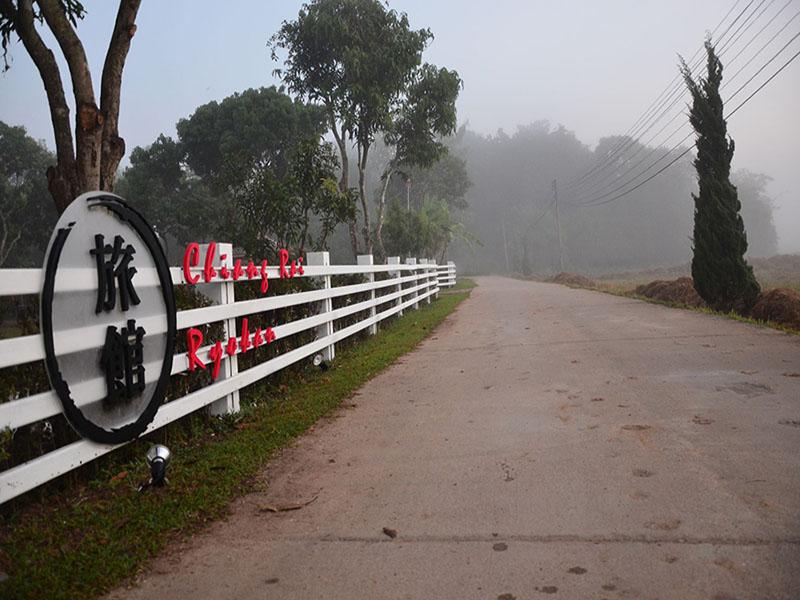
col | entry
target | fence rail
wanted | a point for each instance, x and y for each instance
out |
(405, 287)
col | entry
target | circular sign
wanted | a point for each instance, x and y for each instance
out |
(107, 318)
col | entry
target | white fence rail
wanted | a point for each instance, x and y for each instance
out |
(405, 287)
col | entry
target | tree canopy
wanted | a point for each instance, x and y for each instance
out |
(245, 132)
(27, 214)
(250, 169)
(363, 63)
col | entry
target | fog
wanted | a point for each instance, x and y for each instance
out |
(544, 84)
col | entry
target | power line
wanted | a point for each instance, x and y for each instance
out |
(760, 50)
(587, 194)
(760, 31)
(764, 66)
(689, 149)
(759, 88)
(676, 95)
(644, 117)
(655, 149)
(543, 214)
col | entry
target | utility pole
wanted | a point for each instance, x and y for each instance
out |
(558, 227)
(505, 241)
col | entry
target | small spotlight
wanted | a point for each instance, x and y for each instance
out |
(158, 458)
(320, 362)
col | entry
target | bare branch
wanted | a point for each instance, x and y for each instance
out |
(62, 179)
(113, 145)
(88, 120)
(72, 48)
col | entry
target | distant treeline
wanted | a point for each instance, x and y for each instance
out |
(497, 189)
(511, 191)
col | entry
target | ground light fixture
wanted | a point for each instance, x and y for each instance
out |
(158, 458)
(320, 362)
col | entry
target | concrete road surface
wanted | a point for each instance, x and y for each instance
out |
(545, 442)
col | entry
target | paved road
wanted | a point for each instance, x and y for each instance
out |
(544, 442)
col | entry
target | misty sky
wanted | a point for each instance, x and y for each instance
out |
(591, 66)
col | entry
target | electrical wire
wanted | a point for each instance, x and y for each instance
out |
(676, 95)
(652, 151)
(596, 188)
(656, 104)
(689, 149)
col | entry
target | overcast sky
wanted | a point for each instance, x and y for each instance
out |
(591, 66)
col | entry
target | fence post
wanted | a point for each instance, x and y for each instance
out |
(431, 282)
(435, 279)
(366, 259)
(395, 260)
(451, 273)
(323, 259)
(413, 261)
(223, 293)
(427, 279)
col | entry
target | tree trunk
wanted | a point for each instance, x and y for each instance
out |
(381, 209)
(304, 234)
(62, 178)
(113, 146)
(344, 182)
(88, 119)
(91, 164)
(362, 193)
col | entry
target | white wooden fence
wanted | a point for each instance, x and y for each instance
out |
(406, 285)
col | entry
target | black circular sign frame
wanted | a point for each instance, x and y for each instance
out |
(82, 425)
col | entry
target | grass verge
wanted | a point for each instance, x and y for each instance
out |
(82, 543)
(462, 285)
(617, 289)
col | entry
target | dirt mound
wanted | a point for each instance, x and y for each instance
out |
(679, 291)
(574, 280)
(780, 305)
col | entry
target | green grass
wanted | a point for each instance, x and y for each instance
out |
(618, 289)
(83, 542)
(462, 284)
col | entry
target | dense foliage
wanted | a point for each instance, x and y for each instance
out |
(27, 213)
(510, 206)
(721, 275)
(251, 169)
(362, 62)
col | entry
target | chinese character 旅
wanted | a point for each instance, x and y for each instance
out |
(112, 272)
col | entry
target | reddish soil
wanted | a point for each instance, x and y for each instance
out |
(780, 305)
(574, 280)
(679, 291)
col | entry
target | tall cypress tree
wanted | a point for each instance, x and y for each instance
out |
(721, 275)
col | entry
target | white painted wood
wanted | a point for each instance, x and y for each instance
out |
(323, 259)
(423, 281)
(24, 349)
(22, 282)
(24, 411)
(366, 259)
(413, 261)
(222, 294)
(394, 263)
(427, 277)
(27, 476)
